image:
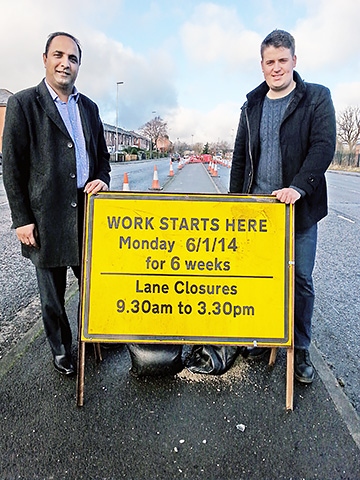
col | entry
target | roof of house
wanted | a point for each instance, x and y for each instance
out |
(4, 95)
(112, 128)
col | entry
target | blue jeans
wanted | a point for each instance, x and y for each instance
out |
(305, 250)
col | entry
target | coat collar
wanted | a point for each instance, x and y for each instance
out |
(84, 120)
(47, 104)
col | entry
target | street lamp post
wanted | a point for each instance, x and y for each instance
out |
(117, 119)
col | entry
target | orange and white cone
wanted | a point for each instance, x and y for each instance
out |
(126, 187)
(155, 183)
(214, 170)
(171, 173)
(211, 168)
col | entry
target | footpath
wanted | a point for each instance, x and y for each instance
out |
(190, 426)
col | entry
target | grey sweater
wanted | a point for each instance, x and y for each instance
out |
(269, 175)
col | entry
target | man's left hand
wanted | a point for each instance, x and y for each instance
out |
(95, 186)
(286, 195)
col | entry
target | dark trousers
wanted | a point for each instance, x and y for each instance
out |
(305, 251)
(52, 285)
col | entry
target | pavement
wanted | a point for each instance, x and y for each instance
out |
(189, 426)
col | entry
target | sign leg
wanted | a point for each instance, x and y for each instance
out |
(290, 378)
(97, 352)
(272, 356)
(80, 375)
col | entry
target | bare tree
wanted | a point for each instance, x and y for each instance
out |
(220, 146)
(181, 147)
(348, 123)
(154, 129)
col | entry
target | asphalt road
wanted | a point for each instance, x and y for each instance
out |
(337, 283)
(337, 272)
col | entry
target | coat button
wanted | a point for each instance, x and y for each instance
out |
(72, 175)
(70, 145)
(73, 204)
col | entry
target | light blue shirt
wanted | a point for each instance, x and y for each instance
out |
(69, 112)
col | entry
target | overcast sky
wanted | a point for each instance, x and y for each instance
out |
(191, 62)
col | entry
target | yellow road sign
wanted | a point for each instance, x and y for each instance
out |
(187, 269)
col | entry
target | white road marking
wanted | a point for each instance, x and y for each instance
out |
(347, 219)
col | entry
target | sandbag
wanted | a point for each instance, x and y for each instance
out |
(211, 359)
(155, 359)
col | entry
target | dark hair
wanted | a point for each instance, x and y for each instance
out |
(277, 39)
(58, 34)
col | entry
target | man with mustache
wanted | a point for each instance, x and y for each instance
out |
(54, 153)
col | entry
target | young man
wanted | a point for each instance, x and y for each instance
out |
(54, 152)
(284, 144)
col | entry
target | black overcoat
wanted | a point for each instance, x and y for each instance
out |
(39, 171)
(307, 142)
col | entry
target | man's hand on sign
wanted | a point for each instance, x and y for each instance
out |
(287, 195)
(95, 186)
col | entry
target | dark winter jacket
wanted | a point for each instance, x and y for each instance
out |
(39, 170)
(307, 142)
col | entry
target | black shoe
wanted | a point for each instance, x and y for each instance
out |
(303, 368)
(63, 365)
(255, 353)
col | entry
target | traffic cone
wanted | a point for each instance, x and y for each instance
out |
(126, 187)
(211, 168)
(215, 170)
(171, 173)
(155, 183)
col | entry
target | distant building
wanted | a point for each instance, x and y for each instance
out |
(125, 138)
(163, 144)
(4, 95)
